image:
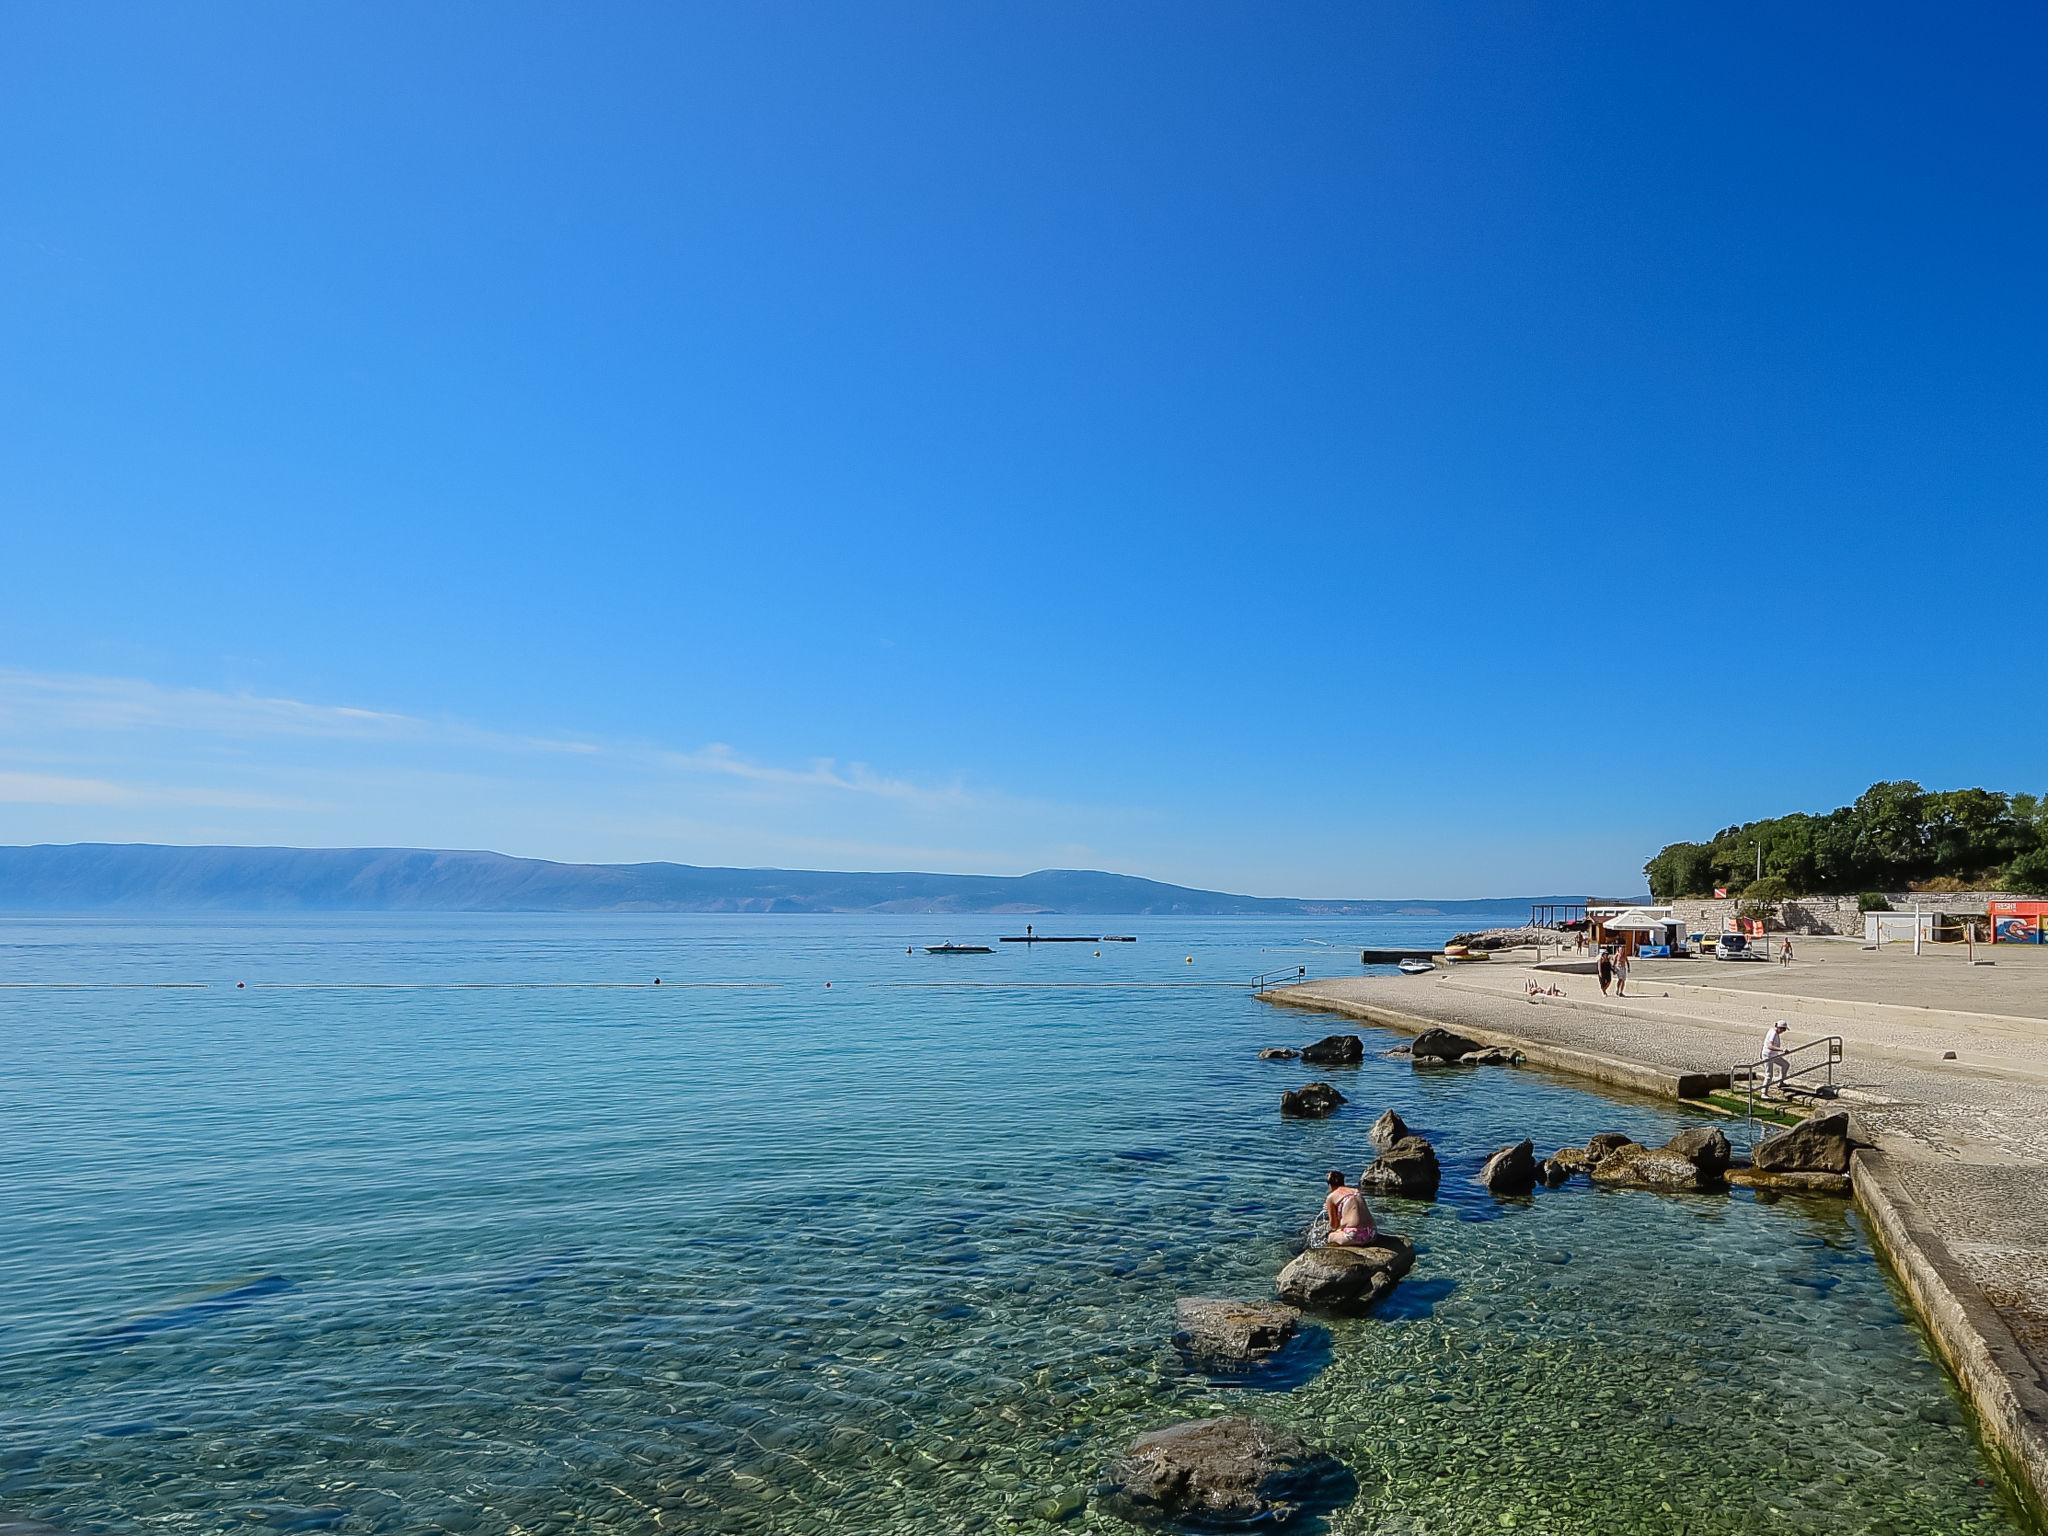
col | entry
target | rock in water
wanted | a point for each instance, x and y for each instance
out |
(1441, 1045)
(1556, 1170)
(1346, 1279)
(1818, 1144)
(1408, 1168)
(1278, 1053)
(1511, 1170)
(1387, 1130)
(1312, 1102)
(1651, 1168)
(1335, 1051)
(1216, 1331)
(1490, 1056)
(1221, 1474)
(1605, 1145)
(1705, 1148)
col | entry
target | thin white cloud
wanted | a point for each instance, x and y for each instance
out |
(65, 789)
(69, 706)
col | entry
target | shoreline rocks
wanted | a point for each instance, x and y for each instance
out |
(1693, 1160)
(1278, 1053)
(1511, 1170)
(1441, 1045)
(1313, 1101)
(1335, 1051)
(1387, 1130)
(1332, 1279)
(1407, 1169)
(1218, 1331)
(1222, 1474)
(1821, 1143)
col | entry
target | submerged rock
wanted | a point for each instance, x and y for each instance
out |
(1217, 1331)
(1311, 1102)
(1511, 1170)
(1278, 1053)
(1387, 1130)
(1652, 1168)
(1777, 1183)
(1490, 1056)
(1346, 1279)
(1441, 1045)
(1335, 1051)
(1221, 1474)
(1407, 1168)
(1820, 1143)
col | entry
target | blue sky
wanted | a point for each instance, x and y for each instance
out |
(1308, 449)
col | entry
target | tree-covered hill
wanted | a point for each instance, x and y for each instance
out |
(1895, 836)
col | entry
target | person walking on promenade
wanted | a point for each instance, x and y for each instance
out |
(1606, 970)
(1785, 954)
(1621, 973)
(1774, 1056)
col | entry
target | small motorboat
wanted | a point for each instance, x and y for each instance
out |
(958, 949)
(1416, 967)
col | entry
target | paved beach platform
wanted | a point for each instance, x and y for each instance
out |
(1957, 1193)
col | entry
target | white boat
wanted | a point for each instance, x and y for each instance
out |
(1416, 967)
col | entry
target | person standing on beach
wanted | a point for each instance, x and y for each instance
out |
(1606, 970)
(1774, 1056)
(1621, 973)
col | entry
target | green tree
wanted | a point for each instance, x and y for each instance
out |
(2028, 874)
(1891, 831)
(1682, 869)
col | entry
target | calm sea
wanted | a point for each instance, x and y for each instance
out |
(460, 1224)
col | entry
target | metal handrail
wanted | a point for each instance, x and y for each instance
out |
(1748, 1072)
(1265, 981)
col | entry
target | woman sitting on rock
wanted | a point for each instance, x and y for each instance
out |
(1350, 1222)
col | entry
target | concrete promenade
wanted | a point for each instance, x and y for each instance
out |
(1957, 1195)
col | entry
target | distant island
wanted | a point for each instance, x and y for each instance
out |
(149, 877)
(1897, 836)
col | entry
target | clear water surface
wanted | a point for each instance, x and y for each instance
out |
(457, 1224)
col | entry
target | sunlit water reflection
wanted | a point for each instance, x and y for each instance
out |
(888, 1256)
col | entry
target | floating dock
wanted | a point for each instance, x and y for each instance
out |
(1394, 956)
(1050, 938)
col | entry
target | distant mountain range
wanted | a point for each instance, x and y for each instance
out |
(147, 877)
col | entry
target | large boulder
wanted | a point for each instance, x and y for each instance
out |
(1310, 1102)
(1345, 1279)
(1820, 1143)
(1704, 1147)
(1441, 1045)
(1387, 1130)
(1221, 1474)
(1651, 1168)
(1606, 1144)
(1407, 1168)
(1215, 1331)
(1511, 1170)
(1335, 1051)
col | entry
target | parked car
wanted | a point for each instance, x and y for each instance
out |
(1736, 946)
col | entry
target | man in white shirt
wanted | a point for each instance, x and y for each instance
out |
(1774, 1056)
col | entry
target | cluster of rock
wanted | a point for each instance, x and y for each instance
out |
(1488, 939)
(1222, 1474)
(1235, 1472)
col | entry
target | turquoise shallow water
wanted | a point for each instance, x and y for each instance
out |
(394, 1240)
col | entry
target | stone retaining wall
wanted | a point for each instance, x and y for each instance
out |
(1837, 915)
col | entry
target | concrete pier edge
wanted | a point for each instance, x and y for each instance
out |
(2007, 1399)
